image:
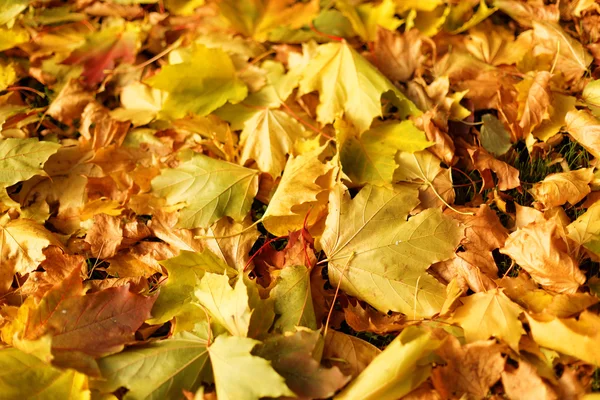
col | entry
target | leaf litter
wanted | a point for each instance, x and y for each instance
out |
(299, 199)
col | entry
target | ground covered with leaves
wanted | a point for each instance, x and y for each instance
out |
(240, 199)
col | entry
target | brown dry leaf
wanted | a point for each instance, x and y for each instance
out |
(467, 275)
(496, 45)
(98, 127)
(527, 12)
(538, 250)
(484, 162)
(163, 226)
(368, 319)
(443, 145)
(524, 383)
(105, 236)
(22, 242)
(350, 354)
(534, 100)
(584, 128)
(70, 103)
(223, 241)
(484, 233)
(423, 392)
(560, 188)
(57, 266)
(470, 369)
(397, 55)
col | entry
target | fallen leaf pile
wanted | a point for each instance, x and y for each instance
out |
(245, 199)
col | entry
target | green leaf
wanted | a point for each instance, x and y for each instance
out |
(382, 258)
(241, 376)
(25, 376)
(20, 159)
(158, 370)
(210, 188)
(370, 157)
(183, 272)
(229, 306)
(348, 85)
(200, 84)
(240, 310)
(494, 137)
(293, 300)
(397, 370)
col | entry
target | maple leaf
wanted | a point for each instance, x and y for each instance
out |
(526, 293)
(591, 96)
(352, 354)
(525, 383)
(293, 300)
(571, 336)
(353, 90)
(257, 18)
(484, 162)
(561, 105)
(470, 369)
(584, 128)
(102, 49)
(22, 242)
(585, 230)
(20, 159)
(141, 104)
(239, 310)
(26, 376)
(534, 100)
(397, 370)
(560, 188)
(538, 250)
(366, 18)
(197, 86)
(525, 13)
(487, 314)
(297, 365)
(176, 294)
(424, 171)
(303, 188)
(572, 59)
(210, 188)
(389, 53)
(387, 270)
(93, 324)
(235, 370)
(367, 319)
(370, 157)
(267, 137)
(155, 370)
(226, 241)
(496, 45)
